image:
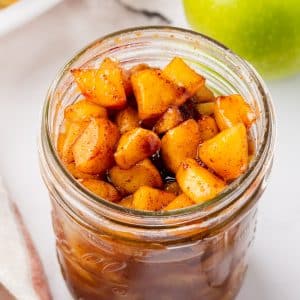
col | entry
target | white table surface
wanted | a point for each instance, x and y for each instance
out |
(29, 59)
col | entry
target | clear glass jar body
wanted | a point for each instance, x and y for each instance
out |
(96, 265)
(110, 252)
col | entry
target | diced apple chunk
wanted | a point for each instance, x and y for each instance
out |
(60, 144)
(206, 108)
(227, 152)
(104, 86)
(78, 174)
(136, 145)
(233, 109)
(138, 68)
(204, 94)
(184, 76)
(180, 143)
(153, 92)
(127, 119)
(147, 198)
(170, 119)
(67, 138)
(84, 110)
(93, 150)
(128, 181)
(102, 189)
(180, 201)
(127, 201)
(208, 128)
(197, 183)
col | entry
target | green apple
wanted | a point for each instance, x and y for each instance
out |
(265, 32)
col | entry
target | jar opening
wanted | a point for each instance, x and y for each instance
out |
(212, 59)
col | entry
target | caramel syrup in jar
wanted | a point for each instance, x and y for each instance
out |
(101, 267)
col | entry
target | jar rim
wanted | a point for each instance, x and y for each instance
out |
(234, 189)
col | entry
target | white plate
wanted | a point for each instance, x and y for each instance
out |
(21, 12)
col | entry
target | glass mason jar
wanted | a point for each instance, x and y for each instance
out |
(110, 252)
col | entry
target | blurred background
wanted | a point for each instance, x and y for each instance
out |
(38, 37)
